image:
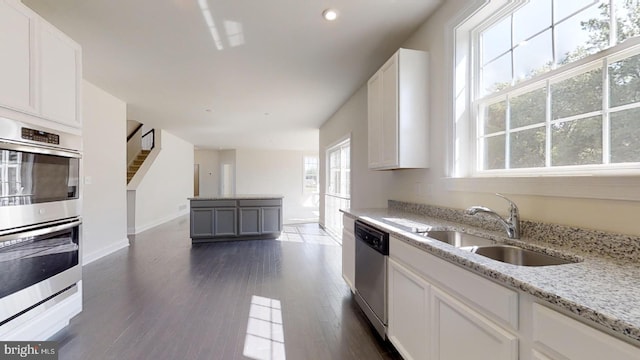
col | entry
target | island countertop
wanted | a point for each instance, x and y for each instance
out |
(238, 197)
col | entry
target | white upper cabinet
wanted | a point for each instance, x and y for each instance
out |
(59, 76)
(40, 67)
(16, 62)
(398, 112)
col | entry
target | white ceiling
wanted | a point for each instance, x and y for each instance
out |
(282, 70)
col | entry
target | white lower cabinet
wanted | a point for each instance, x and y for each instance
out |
(459, 332)
(441, 311)
(536, 355)
(429, 321)
(557, 336)
(348, 252)
(409, 297)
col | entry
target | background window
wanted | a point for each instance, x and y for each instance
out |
(311, 184)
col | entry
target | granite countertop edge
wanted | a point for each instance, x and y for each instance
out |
(589, 288)
(238, 197)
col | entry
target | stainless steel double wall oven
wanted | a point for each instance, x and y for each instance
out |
(40, 221)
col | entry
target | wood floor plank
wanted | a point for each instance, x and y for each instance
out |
(164, 298)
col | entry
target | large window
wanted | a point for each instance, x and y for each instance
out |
(555, 87)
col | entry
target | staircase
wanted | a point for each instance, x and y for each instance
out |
(135, 165)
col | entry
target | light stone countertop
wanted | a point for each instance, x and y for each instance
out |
(238, 197)
(598, 289)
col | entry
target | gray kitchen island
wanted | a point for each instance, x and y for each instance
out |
(235, 217)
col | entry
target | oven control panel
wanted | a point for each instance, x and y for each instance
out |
(40, 136)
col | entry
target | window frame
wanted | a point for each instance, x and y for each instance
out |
(587, 181)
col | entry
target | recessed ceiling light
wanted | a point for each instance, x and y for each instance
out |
(330, 14)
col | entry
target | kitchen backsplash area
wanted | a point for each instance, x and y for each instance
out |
(617, 246)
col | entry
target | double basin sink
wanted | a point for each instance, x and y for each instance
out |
(489, 248)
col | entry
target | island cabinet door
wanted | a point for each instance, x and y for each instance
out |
(201, 223)
(249, 221)
(224, 222)
(271, 220)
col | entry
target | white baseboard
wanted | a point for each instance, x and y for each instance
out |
(160, 221)
(43, 324)
(91, 257)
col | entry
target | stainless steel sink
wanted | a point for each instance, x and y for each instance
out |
(458, 239)
(517, 256)
(489, 248)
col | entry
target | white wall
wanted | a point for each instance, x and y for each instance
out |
(104, 163)
(368, 188)
(163, 192)
(209, 162)
(609, 215)
(276, 172)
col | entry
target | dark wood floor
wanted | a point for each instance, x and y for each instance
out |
(163, 298)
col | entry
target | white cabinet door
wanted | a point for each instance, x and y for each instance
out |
(59, 76)
(390, 112)
(374, 108)
(16, 57)
(397, 112)
(562, 337)
(408, 312)
(349, 258)
(459, 332)
(536, 355)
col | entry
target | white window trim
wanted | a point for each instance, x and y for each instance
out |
(622, 183)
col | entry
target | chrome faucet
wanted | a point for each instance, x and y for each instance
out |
(511, 224)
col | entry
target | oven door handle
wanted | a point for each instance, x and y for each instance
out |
(6, 145)
(40, 232)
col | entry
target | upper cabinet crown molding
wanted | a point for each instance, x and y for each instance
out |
(397, 109)
(40, 66)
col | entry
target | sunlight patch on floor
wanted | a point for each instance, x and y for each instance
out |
(265, 334)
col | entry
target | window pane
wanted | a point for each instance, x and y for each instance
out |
(524, 27)
(564, 8)
(496, 40)
(582, 34)
(527, 148)
(497, 74)
(628, 15)
(577, 142)
(534, 57)
(494, 152)
(625, 136)
(577, 95)
(624, 80)
(528, 109)
(495, 117)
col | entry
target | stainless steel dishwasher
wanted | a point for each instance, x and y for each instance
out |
(372, 251)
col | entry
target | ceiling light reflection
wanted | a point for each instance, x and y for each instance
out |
(208, 18)
(235, 36)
